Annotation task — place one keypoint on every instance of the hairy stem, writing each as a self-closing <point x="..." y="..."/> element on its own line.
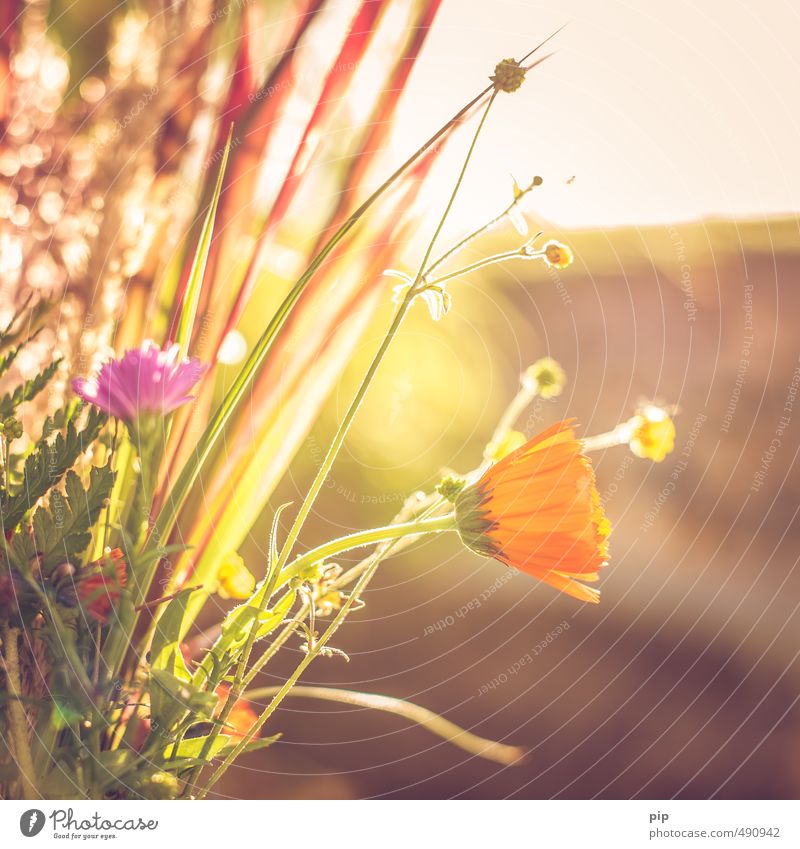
<point x="480" y="746"/>
<point x="519" y="253"/>
<point x="17" y="717"/>
<point x="317" y="555"/>
<point x="313" y="653"/>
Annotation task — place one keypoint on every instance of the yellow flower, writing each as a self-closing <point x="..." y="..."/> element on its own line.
<point x="547" y="377"/>
<point x="329" y="602"/>
<point x="234" y="579"/>
<point x="557" y="255"/>
<point x="653" y="435"/>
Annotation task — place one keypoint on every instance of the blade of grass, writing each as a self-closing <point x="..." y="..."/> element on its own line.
<point x="339" y="76"/>
<point x="165" y="521"/>
<point x="188" y="311"/>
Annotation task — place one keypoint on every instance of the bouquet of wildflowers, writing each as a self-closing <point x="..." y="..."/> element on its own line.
<point x="121" y="514"/>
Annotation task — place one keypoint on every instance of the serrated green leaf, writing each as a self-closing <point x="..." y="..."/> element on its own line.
<point x="63" y="529"/>
<point x="236" y="629"/>
<point x="46" y="465"/>
<point x="7" y="359"/>
<point x="27" y="391"/>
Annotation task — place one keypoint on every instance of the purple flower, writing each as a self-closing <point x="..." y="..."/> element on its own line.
<point x="145" y="380"/>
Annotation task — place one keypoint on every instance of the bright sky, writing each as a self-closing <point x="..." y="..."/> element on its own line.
<point x="663" y="111"/>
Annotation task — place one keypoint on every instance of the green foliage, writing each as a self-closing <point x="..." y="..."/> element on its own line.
<point x="222" y="745"/>
<point x="63" y="529"/>
<point x="171" y="697"/>
<point x="7" y="359"/>
<point x="26" y="391"/>
<point x="188" y="311"/>
<point x="165" y="652"/>
<point x="172" y="691"/>
<point x="236" y="629"/>
<point x="61" y="418"/>
<point x="46" y="465"/>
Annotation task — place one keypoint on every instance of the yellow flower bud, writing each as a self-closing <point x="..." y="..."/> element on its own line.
<point x="502" y="448"/>
<point x="558" y="255"/>
<point x="234" y="579"/>
<point x="653" y="435"/>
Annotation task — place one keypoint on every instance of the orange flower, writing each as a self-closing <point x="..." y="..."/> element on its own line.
<point x="99" y="587"/>
<point x="241" y="718"/>
<point x="538" y="510"/>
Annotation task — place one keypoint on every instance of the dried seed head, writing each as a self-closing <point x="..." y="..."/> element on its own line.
<point x="508" y="75"/>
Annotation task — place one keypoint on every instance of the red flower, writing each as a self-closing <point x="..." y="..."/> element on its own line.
<point x="538" y="510"/>
<point x="241" y="718"/>
<point x="99" y="587"/>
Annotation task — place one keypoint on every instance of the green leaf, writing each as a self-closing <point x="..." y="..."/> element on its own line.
<point x="7" y="359"/>
<point x="221" y="746"/>
<point x="171" y="696"/>
<point x="63" y="529"/>
<point x="165" y="652"/>
<point x="236" y="629"/>
<point x="167" y="666"/>
<point x="27" y="391"/>
<point x="61" y="418"/>
<point x="46" y="465"/>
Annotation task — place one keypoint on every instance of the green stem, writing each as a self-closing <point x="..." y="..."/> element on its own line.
<point x="302" y="567"/>
<point x="480" y="746"/>
<point x="519" y="253"/>
<point x="275" y="646"/>
<point x="484" y="228"/>
<point x="518" y="404"/>
<point x="621" y="435"/>
<point x="367" y="537"/>
<point x="291" y="680"/>
<point x="390" y="546"/>
<point x="17" y="718"/>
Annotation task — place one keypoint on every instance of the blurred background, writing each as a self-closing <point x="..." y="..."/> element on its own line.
<point x="683" y="682"/>
<point x="666" y="137"/>
<point x="676" y="124"/>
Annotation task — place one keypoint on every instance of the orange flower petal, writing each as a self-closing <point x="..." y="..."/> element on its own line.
<point x="538" y="510"/>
